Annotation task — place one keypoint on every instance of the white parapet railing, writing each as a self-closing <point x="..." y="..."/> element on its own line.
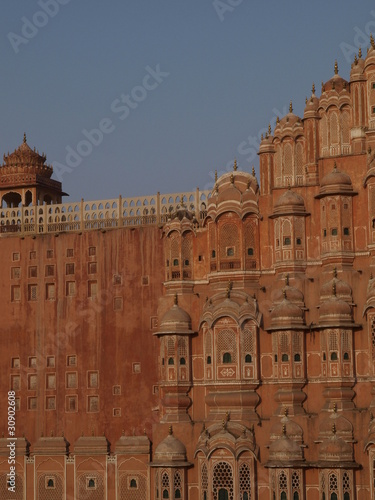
<point x="102" y="214"/>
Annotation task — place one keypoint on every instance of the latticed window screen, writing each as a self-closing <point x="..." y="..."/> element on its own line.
<point x="133" y="487"/>
<point x="278" y="175"/>
<point x="248" y="341"/>
<point x="333" y="341"/>
<point x="299" y="227"/>
<point x="186" y="250"/>
<point x="170" y="347"/>
<point x="229" y="238"/>
<point x="324" y="131"/>
<point x="334" y="128"/>
<point x="175" y="251"/>
<point x="212" y="232"/>
<point x="288" y="166"/>
<point x="93" y="493"/>
<point x="346" y="213"/>
<point x="204" y="480"/>
<point x="165" y="485"/>
<point x="372" y="334"/>
<point x="182" y="347"/>
<point x="177" y="485"/>
<point x="226" y="342"/>
<point x="332" y="483"/>
<point x="5" y="494"/>
<point x="346" y="341"/>
<point x="297" y="342"/>
<point x="50" y="487"/>
<point x="208" y="343"/>
<point x="345" y="124"/>
<point x="296" y="482"/>
<point x="299" y="159"/>
<point x="284" y="342"/>
<point x="245" y="481"/>
<point x="222" y="478"/>
<point x="250" y="237"/>
<point x="283" y="483"/>
<point x="277" y="234"/>
<point x="332" y="213"/>
<point x="346" y="483"/>
<point x="287" y="229"/>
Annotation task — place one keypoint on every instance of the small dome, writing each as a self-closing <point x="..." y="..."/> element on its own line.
<point x="335" y="449"/>
<point x="175" y="320"/>
<point x="170" y="451"/>
<point x="285" y="449"/>
<point x="292" y="430"/>
<point x="343" y="289"/>
<point x="24" y="159"/>
<point x="335" y="310"/>
<point x="229" y="193"/>
<point x="357" y="68"/>
<point x="294" y="295"/>
<point x="343" y="427"/>
<point x="370" y="56"/>
<point x="335" y="178"/>
<point x="312" y="105"/>
<point x="336" y="82"/>
<point x="289" y="202"/>
<point x="286" y="314"/>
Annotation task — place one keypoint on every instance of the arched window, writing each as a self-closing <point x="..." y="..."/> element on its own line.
<point x="177" y="494"/>
<point x="91" y="483"/>
<point x="171" y="361"/>
<point x="175" y="262"/>
<point x="248" y="358"/>
<point x="346" y="356"/>
<point x="333" y="356"/>
<point x="165" y="494"/>
<point x="51" y="483"/>
<point x="283" y="496"/>
<point x="223" y="494"/>
<point x="227" y="358"/>
<point x="208" y="360"/>
<point x="284" y="357"/>
<point x="133" y="483"/>
<point x="297" y="357"/>
<point x="296" y="496"/>
<point x="182" y="361"/>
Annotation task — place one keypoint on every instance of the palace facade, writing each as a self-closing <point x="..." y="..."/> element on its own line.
<point x="204" y="346"/>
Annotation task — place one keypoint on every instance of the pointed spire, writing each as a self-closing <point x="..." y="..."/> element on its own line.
<point x="261" y="137"/>
<point x="284" y="430"/>
<point x="170" y="430"/>
<point x="253" y="171"/>
<point x="235" y="165"/>
<point x="372" y="41"/>
<point x="360" y="52"/>
<point x="290" y="107"/>
<point x="215" y="175"/>
<point x="232" y="178"/>
<point x="313" y="89"/>
<point x="175" y="301"/>
<point x="323" y="89"/>
<point x="306" y="101"/>
<point x="334" y="429"/>
<point x="335" y="407"/>
<point x="286" y="411"/>
<point x="24" y="138"/>
<point x="355" y="59"/>
<point x="277" y="119"/>
<point x="336" y="68"/>
<point x="224" y="425"/>
<point x="269" y="129"/>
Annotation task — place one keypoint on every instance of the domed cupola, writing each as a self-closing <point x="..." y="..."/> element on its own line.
<point x="335" y="312"/>
<point x="336" y="182"/>
<point x="289" y="203"/>
<point x="25" y="179"/>
<point x="343" y="289"/>
<point x="286" y="315"/>
<point x="234" y="192"/>
<point x="344" y="428"/>
<point x="294" y="294"/>
<point x="289" y="125"/>
<point x="292" y="429"/>
<point x="285" y="450"/>
<point x="171" y="452"/>
<point x="175" y="321"/>
<point x="336" y="83"/>
<point x="334" y="450"/>
<point x="357" y="68"/>
<point x="370" y="56"/>
<point x="312" y="105"/>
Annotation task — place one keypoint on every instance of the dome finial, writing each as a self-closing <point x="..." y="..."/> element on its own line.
<point x="284" y="430"/>
<point x="287" y="279"/>
<point x="232" y="178"/>
<point x="269" y="129"/>
<point x="335" y="167"/>
<point x="313" y="89"/>
<point x="224" y="425"/>
<point x="277" y="119"/>
<point x="334" y="429"/>
<point x="306" y="101"/>
<point x="335" y="407"/>
<point x="235" y="165"/>
<point x="170" y="430"/>
<point x="24" y="138"/>
<point x="336" y="68"/>
<point x="215" y="175"/>
<point x="323" y="89"/>
<point x="284" y="293"/>
<point x="335" y="272"/>
<point x="253" y="171"/>
<point x="360" y="52"/>
<point x="355" y="59"/>
<point x="290" y="107"/>
<point x="372" y="41"/>
<point x="334" y="289"/>
<point x="286" y="411"/>
<point x="261" y="137"/>
<point x="175" y="301"/>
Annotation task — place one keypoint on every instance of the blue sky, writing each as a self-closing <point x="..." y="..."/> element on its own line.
<point x="178" y="88"/>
